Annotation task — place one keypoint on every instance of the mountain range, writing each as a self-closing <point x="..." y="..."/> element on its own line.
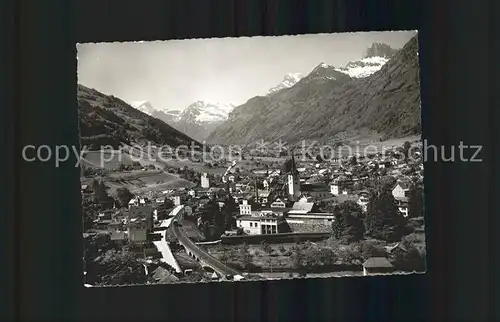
<point x="378" y="94"/>
<point x="201" y="118"/>
<point x="197" y="120"/>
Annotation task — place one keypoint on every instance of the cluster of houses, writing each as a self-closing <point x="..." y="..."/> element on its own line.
<point x="274" y="200"/>
<point x="293" y="200"/>
<point x="134" y="223"/>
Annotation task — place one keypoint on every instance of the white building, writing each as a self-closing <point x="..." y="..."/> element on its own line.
<point x="278" y="204"/>
<point x="334" y="188"/>
<point x="137" y="231"/>
<point x="176" y="200"/>
<point x="245" y="208"/>
<point x="340" y="185"/>
<point x="316" y="190"/>
<point x="249" y="224"/>
<point x="259" y="225"/>
<point x="363" y="200"/>
<point x="402" y="206"/>
<point x="205" y="182"/>
<point x="400" y="190"/>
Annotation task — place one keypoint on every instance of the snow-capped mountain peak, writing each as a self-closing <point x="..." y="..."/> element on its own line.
<point x="323" y="65"/>
<point x="143" y="106"/>
<point x="288" y="81"/>
<point x="364" y="67"/>
<point x="376" y="56"/>
<point x="207" y="112"/>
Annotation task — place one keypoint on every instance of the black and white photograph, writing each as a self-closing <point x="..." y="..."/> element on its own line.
<point x="251" y="158"/>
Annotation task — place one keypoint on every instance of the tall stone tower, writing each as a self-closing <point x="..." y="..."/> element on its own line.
<point x="293" y="181"/>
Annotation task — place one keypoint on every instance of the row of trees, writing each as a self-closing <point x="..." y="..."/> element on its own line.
<point x="107" y="264"/>
<point x="221" y="218"/>
<point x="382" y="219"/>
<point x="101" y="200"/>
<point x="91" y="172"/>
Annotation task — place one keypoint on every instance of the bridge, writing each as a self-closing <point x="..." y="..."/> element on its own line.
<point x="193" y="250"/>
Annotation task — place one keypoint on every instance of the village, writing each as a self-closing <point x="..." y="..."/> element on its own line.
<point x="262" y="218"/>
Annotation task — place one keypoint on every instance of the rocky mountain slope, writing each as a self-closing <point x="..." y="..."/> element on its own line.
<point x="327" y="102"/>
<point x="107" y="120"/>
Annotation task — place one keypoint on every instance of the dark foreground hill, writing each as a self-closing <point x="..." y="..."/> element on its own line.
<point x="107" y="120"/>
<point x="326" y="104"/>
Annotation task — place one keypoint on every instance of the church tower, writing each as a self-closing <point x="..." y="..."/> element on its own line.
<point x="293" y="182"/>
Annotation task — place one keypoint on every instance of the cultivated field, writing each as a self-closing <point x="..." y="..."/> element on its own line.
<point x="196" y="166"/>
<point x="278" y="259"/>
<point x="113" y="159"/>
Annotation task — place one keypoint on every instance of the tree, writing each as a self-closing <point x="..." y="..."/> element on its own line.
<point x="416" y="201"/>
<point x="408" y="258"/>
<point x="220" y="222"/>
<point x="368" y="250"/>
<point x="265" y="246"/>
<point x="406" y="149"/>
<point x="119" y="268"/>
<point x="383" y="219"/>
<point x="348" y="225"/>
<point x="245" y="256"/>
<point x="101" y="194"/>
<point x="90" y="211"/>
<point x="206" y="231"/>
<point x="229" y="209"/>
<point x="298" y="261"/>
<point x="124" y="196"/>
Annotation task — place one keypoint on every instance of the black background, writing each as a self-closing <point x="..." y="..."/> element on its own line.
<point x="42" y="229"/>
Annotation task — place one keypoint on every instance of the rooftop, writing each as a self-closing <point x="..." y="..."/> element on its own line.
<point x="342" y="198"/>
<point x="303" y="206"/>
<point x="277" y="209"/>
<point x="256" y="218"/>
<point x="403" y="184"/>
<point x="377" y="262"/>
<point x="140" y="211"/>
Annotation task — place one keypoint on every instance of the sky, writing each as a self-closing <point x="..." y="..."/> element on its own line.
<point x="175" y="73"/>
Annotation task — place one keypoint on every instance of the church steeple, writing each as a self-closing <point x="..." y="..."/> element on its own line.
<point x="290" y="165"/>
<point x="292" y="177"/>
